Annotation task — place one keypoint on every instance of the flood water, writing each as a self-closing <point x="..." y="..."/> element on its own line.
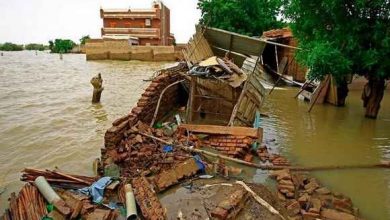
<point x="335" y="136"/>
<point x="46" y="116"/>
<point x="48" y="121"/>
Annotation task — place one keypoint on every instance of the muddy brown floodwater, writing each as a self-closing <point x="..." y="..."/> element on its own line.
<point x="46" y="116"/>
<point x="47" y="120"/>
<point x="335" y="136"/>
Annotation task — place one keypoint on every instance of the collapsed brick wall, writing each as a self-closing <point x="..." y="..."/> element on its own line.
<point x="234" y="146"/>
<point x="147" y="199"/>
<point x="147" y="104"/>
<point x="179" y="172"/>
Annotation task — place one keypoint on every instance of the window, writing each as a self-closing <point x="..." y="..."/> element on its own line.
<point x="148" y="22"/>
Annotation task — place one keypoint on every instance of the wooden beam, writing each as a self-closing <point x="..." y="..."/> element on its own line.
<point x="317" y="94"/>
<point x="191" y="99"/>
<point x="224" y="130"/>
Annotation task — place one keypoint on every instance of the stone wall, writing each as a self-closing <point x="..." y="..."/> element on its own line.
<point x="110" y="49"/>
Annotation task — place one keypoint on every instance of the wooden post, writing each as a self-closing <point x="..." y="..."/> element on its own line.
<point x="303" y="88"/>
<point x="277" y="59"/>
<point x="97" y="83"/>
<point x="159" y="100"/>
<point x="276" y="83"/>
<point x="191" y="99"/>
<point x="324" y="84"/>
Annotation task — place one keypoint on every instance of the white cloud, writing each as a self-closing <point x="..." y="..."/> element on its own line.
<point x="38" y="21"/>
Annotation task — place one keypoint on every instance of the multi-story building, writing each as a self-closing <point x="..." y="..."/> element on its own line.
<point x="140" y="26"/>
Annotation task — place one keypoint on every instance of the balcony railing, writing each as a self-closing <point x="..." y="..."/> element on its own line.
<point x="136" y="32"/>
<point x="129" y="15"/>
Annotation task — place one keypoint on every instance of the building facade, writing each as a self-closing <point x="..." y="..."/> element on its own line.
<point x="139" y="26"/>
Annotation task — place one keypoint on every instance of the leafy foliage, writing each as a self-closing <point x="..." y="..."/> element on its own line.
<point x="39" y="47"/>
<point x="84" y="38"/>
<point x="11" y="47"/>
<point x="341" y="37"/>
<point x="249" y="17"/>
<point x="61" y="46"/>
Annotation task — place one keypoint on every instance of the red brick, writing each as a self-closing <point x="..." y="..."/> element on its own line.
<point x="137" y="110"/>
<point x="293" y="208"/>
<point x="248" y="157"/>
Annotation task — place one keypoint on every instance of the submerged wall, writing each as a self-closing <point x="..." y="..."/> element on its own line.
<point x="111" y="49"/>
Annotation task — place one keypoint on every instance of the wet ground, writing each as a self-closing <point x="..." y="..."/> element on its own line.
<point x="199" y="198"/>
<point x="47" y="120"/>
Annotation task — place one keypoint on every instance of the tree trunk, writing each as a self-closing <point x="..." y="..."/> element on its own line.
<point x="97" y="83"/>
<point x="342" y="92"/>
<point x="372" y="96"/>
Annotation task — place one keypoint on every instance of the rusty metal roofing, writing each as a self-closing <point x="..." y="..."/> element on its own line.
<point x="278" y="33"/>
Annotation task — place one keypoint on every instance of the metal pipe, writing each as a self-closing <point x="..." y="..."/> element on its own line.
<point x="131" y="209"/>
<point x="159" y="101"/>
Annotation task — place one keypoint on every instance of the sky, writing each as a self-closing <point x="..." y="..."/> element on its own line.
<point x="38" y="21"/>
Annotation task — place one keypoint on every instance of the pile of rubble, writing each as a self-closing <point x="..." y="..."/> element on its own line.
<point x="305" y="198"/>
<point x="231" y="206"/>
<point x="65" y="201"/>
<point x="149" y="160"/>
<point x="29" y="204"/>
<point x="137" y="155"/>
<point x="275" y="159"/>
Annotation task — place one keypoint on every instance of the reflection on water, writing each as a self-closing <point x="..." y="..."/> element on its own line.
<point x="46" y="116"/>
<point x="335" y="136"/>
<point x="98" y="112"/>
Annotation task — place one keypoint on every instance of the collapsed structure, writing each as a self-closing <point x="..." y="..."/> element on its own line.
<point x="210" y="103"/>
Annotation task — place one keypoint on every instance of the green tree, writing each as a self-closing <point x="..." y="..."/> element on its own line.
<point x="39" y="47"/>
<point x="11" y="47"/>
<point x="342" y="37"/>
<point x="249" y="17"/>
<point x="61" y="46"/>
<point x="84" y="38"/>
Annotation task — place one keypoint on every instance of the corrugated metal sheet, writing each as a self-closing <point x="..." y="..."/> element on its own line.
<point x="234" y="42"/>
<point x="241" y="46"/>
